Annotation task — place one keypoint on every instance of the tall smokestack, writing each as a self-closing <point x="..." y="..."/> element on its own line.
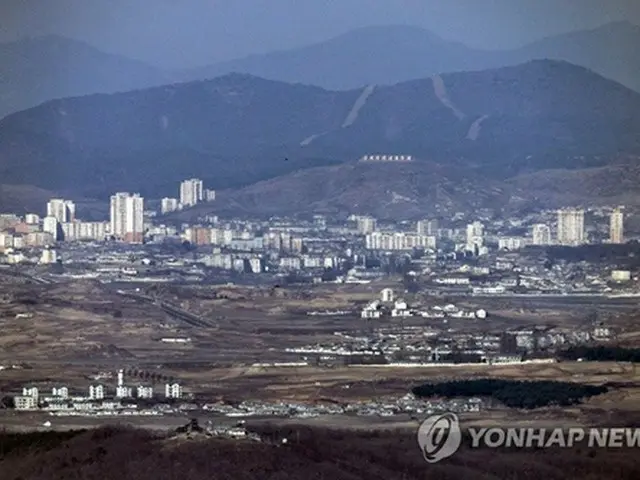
<point x="120" y="378"/>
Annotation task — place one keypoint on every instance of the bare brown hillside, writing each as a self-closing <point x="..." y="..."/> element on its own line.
<point x="122" y="454"/>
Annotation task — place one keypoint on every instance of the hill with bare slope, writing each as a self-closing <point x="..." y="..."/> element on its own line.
<point x="388" y="190"/>
<point x="309" y="453"/>
<point x="413" y="190"/>
<point x="616" y="184"/>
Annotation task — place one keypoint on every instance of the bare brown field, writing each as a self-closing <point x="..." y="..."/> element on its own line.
<point x="77" y="329"/>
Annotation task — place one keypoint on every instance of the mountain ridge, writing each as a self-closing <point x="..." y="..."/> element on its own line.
<point x="38" y="69"/>
<point x="500" y="122"/>
<point x="371" y="51"/>
<point x="609" y="50"/>
<point x="387" y="54"/>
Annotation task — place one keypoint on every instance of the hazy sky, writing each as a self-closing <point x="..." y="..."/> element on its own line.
<point x="195" y="32"/>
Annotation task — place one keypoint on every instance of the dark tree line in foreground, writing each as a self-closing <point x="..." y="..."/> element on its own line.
<point x="602" y="354"/>
<point x="513" y="393"/>
<point x="310" y="453"/>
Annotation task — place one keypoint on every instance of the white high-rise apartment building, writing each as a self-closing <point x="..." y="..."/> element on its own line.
<point x="209" y="195"/>
<point x="366" y="225"/>
<point x="191" y="192"/>
<point x="427" y="227"/>
<point x="127" y="217"/>
<point x="63" y="210"/>
<point x="51" y="225"/>
<point x="616" y="226"/>
<point x="31" y="219"/>
<point x="85" y="231"/>
<point x="48" y="256"/>
<point x="541" y="234"/>
<point x="168" y="205"/>
<point x="475" y="236"/>
<point x="571" y="227"/>
<point x="398" y="241"/>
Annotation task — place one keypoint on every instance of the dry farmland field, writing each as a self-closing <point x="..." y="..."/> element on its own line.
<point x="64" y="333"/>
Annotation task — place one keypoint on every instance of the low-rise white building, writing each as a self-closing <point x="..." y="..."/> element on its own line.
<point x="96" y="392"/>
<point x="290" y="263"/>
<point x="453" y="281"/>
<point x="30" y="392"/>
<point x="512" y="243"/>
<point x="144" y="392"/>
<point x="401" y="305"/>
<point x="621" y="275"/>
<point x="173" y="390"/>
<point x="386" y="295"/>
<point x="62" y="392"/>
<point x="369" y="313"/>
<point x="124" y="392"/>
<point x="25" y="402"/>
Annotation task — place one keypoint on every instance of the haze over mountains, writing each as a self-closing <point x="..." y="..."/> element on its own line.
<point x="36" y="70"/>
<point x="496" y="126"/>
<point x="238" y="129"/>
<point x="392" y="54"/>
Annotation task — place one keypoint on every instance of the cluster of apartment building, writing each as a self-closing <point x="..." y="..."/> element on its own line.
<point x="569" y="231"/>
<point x="403" y="342"/>
<point x="61" y="399"/>
<point x="382" y="406"/>
<point x="387" y="304"/>
<point x="358" y="249"/>
<point x="192" y="192"/>
<point x="127" y="221"/>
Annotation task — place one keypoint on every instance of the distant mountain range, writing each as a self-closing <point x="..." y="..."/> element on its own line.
<point x="238" y="129"/>
<point x="370" y="55"/>
<point x="36" y="70"/>
<point x="610" y="51"/>
<point x="393" y="54"/>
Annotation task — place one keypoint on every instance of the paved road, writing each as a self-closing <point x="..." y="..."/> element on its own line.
<point x="173" y="310"/>
<point x="12" y="272"/>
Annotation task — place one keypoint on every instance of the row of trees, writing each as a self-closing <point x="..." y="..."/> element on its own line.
<point x="602" y="354"/>
<point x="148" y="376"/>
<point x="513" y="393"/>
<point x="320" y="453"/>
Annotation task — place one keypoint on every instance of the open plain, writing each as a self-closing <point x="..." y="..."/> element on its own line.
<point x="66" y="333"/>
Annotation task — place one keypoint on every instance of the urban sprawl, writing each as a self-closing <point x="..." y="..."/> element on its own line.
<point x="457" y="257"/>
